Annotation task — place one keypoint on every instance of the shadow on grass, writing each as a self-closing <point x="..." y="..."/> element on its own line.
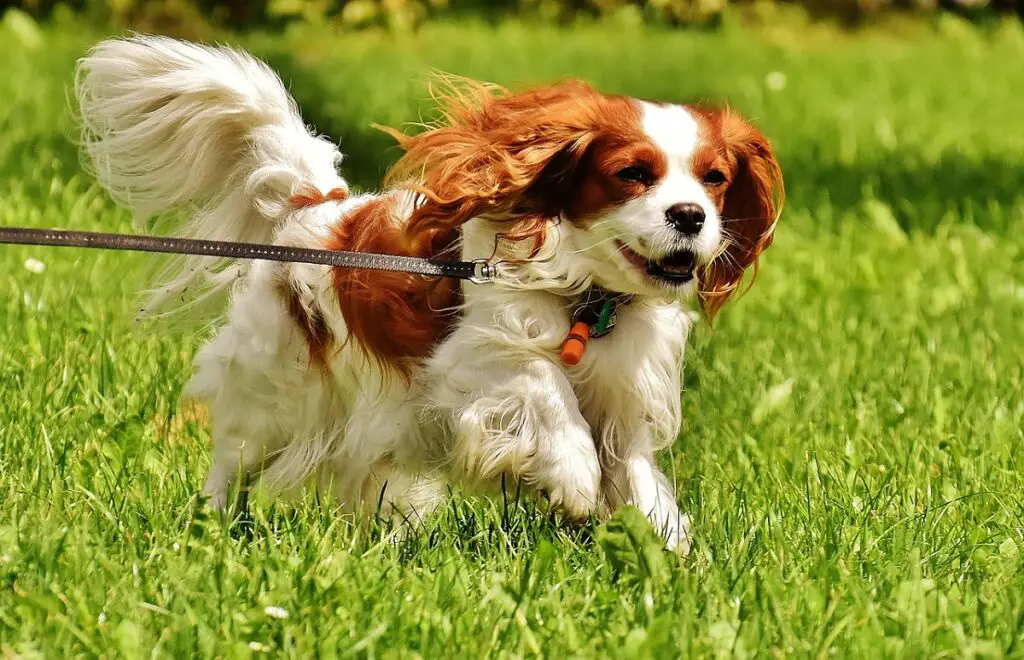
<point x="985" y="192"/>
<point x="477" y="527"/>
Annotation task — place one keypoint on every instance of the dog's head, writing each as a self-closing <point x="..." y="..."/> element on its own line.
<point x="653" y="199"/>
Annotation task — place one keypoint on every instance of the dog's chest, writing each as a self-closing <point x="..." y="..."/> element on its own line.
<point x="635" y="370"/>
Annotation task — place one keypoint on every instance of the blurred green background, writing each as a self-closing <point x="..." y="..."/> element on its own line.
<point x="198" y="17"/>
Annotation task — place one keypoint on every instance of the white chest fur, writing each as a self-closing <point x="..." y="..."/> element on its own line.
<point x="629" y="381"/>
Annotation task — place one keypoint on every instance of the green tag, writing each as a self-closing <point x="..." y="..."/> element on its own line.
<point x="597" y="308"/>
<point x="606" y="316"/>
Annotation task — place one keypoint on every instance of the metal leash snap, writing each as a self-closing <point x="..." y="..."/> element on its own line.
<point x="484" y="271"/>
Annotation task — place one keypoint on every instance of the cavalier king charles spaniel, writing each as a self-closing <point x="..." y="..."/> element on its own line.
<point x="613" y="222"/>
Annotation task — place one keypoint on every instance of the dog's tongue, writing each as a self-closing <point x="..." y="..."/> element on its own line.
<point x="679" y="263"/>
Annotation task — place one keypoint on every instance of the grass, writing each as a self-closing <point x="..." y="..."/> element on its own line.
<point x="852" y="452"/>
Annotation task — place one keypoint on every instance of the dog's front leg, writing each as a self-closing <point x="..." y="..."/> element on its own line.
<point x="637" y="481"/>
<point x="521" y="418"/>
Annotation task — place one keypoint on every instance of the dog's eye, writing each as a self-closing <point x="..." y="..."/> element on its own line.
<point x="635" y="174"/>
<point x="714" y="178"/>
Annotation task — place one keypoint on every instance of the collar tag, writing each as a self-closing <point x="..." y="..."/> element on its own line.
<point x="595" y="316"/>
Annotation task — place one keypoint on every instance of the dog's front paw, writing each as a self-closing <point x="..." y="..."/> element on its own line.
<point x="570" y="475"/>
<point x="577" y="500"/>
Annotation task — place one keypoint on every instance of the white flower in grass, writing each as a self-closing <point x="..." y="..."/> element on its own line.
<point x="102" y="618"/>
<point x="275" y="612"/>
<point x="258" y="647"/>
<point x="775" y="81"/>
<point x="34" y="266"/>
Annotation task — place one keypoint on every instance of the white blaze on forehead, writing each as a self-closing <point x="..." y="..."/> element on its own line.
<point x="674" y="130"/>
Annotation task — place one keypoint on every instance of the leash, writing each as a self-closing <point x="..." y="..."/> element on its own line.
<point x="478" y="271"/>
<point x="594" y="315"/>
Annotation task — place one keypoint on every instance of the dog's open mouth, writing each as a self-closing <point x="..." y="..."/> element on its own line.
<point x="675" y="268"/>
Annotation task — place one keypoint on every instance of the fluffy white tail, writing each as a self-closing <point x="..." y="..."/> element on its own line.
<point x="169" y="126"/>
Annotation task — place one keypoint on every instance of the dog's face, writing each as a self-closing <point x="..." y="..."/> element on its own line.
<point x="653" y="199"/>
<point x="647" y="204"/>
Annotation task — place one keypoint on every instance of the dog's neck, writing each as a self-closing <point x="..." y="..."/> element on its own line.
<point x="544" y="269"/>
<point x="524" y="263"/>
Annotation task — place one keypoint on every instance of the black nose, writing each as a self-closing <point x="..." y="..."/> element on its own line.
<point x="687" y="218"/>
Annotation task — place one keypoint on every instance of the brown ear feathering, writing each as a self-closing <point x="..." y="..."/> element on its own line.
<point x="397" y="317"/>
<point x="496" y="153"/>
<point x="751" y="209"/>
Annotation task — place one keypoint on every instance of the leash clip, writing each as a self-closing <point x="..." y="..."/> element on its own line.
<point x="484" y="271"/>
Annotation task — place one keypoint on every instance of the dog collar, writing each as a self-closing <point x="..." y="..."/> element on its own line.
<point x="594" y="316"/>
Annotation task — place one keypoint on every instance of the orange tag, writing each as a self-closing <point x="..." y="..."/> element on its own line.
<point x="575" y="344"/>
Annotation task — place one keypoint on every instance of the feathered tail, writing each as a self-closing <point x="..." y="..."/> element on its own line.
<point x="170" y="126"/>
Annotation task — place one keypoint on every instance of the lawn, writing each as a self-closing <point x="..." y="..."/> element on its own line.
<point x="851" y="455"/>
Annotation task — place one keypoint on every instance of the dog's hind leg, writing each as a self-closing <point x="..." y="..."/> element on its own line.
<point x="253" y="378"/>
<point x="400" y="496"/>
<point x="242" y="447"/>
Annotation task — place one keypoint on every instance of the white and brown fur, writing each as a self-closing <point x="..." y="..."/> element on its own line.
<point x="379" y="387"/>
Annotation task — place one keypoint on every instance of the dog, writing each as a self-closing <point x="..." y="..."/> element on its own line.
<point x="613" y="223"/>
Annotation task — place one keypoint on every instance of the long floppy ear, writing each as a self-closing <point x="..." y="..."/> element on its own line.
<point x="751" y="209"/>
<point x="494" y="153"/>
